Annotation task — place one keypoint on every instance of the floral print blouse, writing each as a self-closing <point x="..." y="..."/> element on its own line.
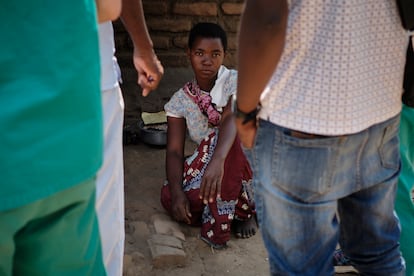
<point x="182" y="106"/>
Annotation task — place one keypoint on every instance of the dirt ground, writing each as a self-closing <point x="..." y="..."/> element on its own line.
<point x="144" y="176"/>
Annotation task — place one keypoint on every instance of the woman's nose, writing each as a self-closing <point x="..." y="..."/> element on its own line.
<point x="207" y="59"/>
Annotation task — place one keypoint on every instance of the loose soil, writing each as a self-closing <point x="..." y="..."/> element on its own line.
<point x="144" y="176"/>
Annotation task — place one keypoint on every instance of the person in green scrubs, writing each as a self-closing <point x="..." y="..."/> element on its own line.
<point x="404" y="203"/>
<point x="50" y="138"/>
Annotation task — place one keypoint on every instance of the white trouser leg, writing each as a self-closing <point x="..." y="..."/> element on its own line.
<point x="110" y="184"/>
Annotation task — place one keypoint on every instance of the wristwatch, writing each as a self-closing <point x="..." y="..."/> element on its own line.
<point x="246" y="116"/>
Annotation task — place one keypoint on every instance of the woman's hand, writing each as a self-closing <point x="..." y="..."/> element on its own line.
<point x="180" y="207"/>
<point x="211" y="184"/>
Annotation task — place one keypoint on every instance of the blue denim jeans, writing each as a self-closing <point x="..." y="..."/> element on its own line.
<point x="311" y="191"/>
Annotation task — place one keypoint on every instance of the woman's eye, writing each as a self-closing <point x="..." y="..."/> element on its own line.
<point x="198" y="54"/>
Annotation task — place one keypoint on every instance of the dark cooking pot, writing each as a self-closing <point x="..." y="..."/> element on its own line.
<point x="154" y="134"/>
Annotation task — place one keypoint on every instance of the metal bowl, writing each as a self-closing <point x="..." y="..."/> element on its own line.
<point x="155" y="135"/>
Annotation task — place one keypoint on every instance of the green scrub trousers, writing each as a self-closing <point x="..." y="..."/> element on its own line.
<point x="57" y="235"/>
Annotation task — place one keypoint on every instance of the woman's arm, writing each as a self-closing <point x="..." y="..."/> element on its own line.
<point x="175" y="167"/>
<point x="211" y="183"/>
<point x="150" y="70"/>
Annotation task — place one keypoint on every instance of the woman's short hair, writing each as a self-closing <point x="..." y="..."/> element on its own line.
<point x="207" y="30"/>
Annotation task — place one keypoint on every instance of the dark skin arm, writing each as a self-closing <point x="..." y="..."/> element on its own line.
<point x="213" y="176"/>
<point x="150" y="70"/>
<point x="261" y="41"/>
<point x="174" y="165"/>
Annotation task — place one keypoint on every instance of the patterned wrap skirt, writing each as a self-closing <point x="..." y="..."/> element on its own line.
<point x="236" y="200"/>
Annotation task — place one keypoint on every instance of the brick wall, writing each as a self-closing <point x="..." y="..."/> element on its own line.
<point x="169" y="23"/>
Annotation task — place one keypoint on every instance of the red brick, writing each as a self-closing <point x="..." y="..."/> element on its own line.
<point x="232" y="8"/>
<point x="196" y="9"/>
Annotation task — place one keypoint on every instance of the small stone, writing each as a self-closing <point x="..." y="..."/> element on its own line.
<point x="164" y="225"/>
<point x="163" y="255"/>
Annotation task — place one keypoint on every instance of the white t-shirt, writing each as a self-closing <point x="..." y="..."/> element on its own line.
<point x="341" y="69"/>
<point x="110" y="72"/>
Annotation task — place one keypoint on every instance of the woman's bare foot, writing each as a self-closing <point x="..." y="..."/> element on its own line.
<point x="244" y="229"/>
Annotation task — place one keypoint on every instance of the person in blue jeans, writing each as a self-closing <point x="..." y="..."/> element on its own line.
<point x="318" y="112"/>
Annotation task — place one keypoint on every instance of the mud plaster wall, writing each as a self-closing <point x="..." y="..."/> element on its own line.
<point x="169" y="23"/>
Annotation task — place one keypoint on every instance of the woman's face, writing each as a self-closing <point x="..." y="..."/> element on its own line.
<point x="206" y="57"/>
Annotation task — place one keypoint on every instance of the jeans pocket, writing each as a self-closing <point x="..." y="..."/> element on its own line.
<point x="389" y="149"/>
<point x="305" y="167"/>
